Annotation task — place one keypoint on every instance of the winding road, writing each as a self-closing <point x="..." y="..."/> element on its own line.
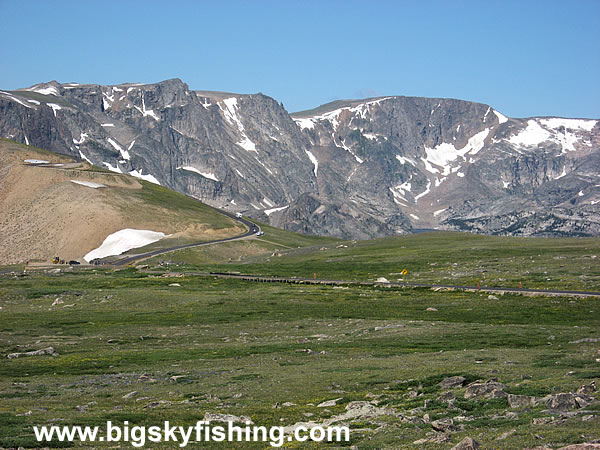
<point x="253" y="228"/>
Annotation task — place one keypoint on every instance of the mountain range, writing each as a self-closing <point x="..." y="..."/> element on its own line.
<point x="350" y="168"/>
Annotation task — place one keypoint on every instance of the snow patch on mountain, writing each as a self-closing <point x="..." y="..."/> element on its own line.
<point x="403" y="160"/>
<point x="425" y="192"/>
<point x="557" y="130"/>
<point x="563" y="173"/>
<point x="54" y="107"/>
<point x="138" y="174"/>
<point x="49" y="90"/>
<point x="208" y="175"/>
<point x="445" y="153"/>
<point x="85" y="157"/>
<point x="534" y="134"/>
<point x="313" y="160"/>
<point x="124" y="153"/>
<point x="112" y="168"/>
<point x="268" y="212"/>
<point x="571" y="124"/>
<point x="81" y="139"/>
<point x="501" y="118"/>
<point x="230" y="112"/>
<point x="12" y="97"/>
<point x="305" y="123"/>
<point x="146" y="112"/>
<point x="399" y="192"/>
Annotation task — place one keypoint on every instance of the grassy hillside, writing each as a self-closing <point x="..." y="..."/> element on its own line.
<point x="43" y="213"/>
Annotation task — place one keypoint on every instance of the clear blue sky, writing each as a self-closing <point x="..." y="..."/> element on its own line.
<point x="522" y="57"/>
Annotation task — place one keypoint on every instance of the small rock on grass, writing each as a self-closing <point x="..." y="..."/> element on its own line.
<point x="328" y="403"/>
<point x="216" y="417"/>
<point x="467" y="443"/>
<point x="43" y="351"/>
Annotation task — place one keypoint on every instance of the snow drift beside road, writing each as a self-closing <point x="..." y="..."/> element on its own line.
<point x="124" y="240"/>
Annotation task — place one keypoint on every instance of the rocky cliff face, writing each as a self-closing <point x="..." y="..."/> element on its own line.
<point x="356" y="169"/>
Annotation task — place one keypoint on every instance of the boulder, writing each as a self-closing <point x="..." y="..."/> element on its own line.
<point x="521" y="401"/>
<point x="452" y="382"/>
<point x="490" y="389"/>
<point x="467" y="443"/>
<point x="587" y="389"/>
<point x="446" y="424"/>
<point x="567" y="401"/>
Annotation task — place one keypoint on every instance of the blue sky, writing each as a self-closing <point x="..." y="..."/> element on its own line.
<point x="524" y="58"/>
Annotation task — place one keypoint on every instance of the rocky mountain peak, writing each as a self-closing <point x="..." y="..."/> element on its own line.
<point x="351" y="168"/>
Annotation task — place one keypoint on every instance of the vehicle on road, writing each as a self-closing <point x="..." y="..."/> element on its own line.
<point x="238" y="215"/>
<point x="260" y="233"/>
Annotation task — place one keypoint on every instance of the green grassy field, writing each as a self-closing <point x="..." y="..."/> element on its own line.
<point x="435" y="257"/>
<point x="234" y="347"/>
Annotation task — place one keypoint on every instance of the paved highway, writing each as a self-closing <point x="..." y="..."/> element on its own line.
<point x="253" y="228"/>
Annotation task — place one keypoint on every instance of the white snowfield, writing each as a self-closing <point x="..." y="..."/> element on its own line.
<point x="565" y="132"/>
<point x="36" y="161"/>
<point x="209" y="175"/>
<point x="50" y="90"/>
<point x="444" y="154"/>
<point x="138" y="174"/>
<point x="124" y="240"/>
<point x="268" y="212"/>
<point x="88" y="184"/>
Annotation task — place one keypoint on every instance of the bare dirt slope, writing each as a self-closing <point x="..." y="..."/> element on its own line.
<point x="44" y="214"/>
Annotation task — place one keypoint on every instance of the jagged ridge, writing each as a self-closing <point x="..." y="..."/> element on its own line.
<point x="352" y="168"/>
